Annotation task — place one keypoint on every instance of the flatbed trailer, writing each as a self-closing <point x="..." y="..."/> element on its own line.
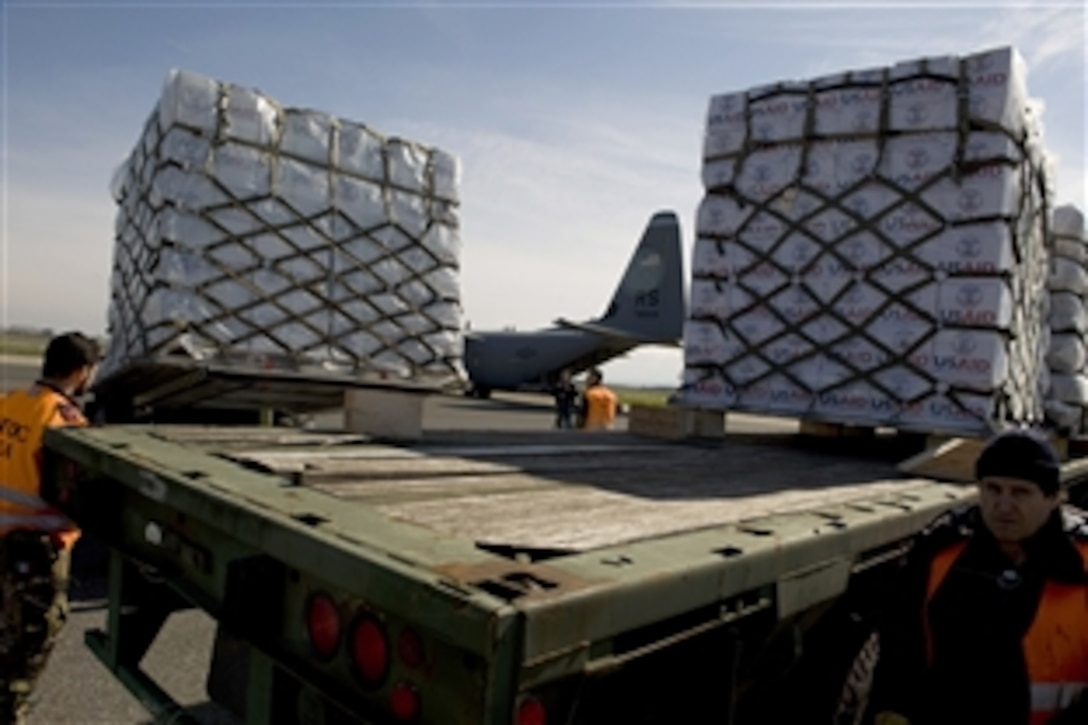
<point x="496" y="577"/>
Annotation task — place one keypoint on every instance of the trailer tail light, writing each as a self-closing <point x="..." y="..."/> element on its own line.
<point x="410" y="648"/>
<point x="404" y="702"/>
<point x="70" y="470"/>
<point x="323" y="625"/>
<point x="531" y="712"/>
<point x="370" y="650"/>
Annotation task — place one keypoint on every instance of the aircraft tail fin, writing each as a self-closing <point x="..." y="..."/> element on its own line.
<point x="649" y="303"/>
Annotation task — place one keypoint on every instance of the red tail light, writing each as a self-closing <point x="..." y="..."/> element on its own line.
<point x="370" y="650"/>
<point x="531" y="712"/>
<point x="323" y="625"/>
<point x="410" y="648"/>
<point x="70" y="470"/>
<point x="404" y="702"/>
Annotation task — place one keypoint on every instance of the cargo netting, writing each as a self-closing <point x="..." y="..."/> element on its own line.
<point x="872" y="248"/>
<point x="247" y="232"/>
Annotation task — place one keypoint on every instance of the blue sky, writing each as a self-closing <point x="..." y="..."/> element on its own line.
<point x="573" y="123"/>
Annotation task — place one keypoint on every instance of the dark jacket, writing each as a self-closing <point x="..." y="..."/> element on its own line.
<point x="978" y="618"/>
<point x="565" y="396"/>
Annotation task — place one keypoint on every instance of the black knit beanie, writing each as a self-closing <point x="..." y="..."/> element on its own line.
<point x="1021" y="454"/>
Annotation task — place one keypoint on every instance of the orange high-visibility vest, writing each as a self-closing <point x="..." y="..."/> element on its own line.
<point x="24" y="416"/>
<point x="600" y="407"/>
<point x="1055" y="646"/>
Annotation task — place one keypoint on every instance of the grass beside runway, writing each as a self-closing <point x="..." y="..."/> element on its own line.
<point x="21" y="344"/>
<point x="653" y="397"/>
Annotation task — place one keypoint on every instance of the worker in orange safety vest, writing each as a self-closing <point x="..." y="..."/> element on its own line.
<point x="598" y="410"/>
<point x="36" y="540"/>
<point x="989" y="623"/>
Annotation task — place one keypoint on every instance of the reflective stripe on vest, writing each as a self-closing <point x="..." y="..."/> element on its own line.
<point x="1055" y="647"/>
<point x="40" y="515"/>
<point x="1053" y="697"/>
<point x="40" y="522"/>
<point x="22" y="499"/>
<point x="24" y="416"/>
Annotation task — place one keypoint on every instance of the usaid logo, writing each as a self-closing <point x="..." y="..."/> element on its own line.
<point x="861" y="164"/>
<point x="762" y="173"/>
<point x="970" y="200"/>
<point x="781" y="354"/>
<point x="917" y="158"/>
<point x="726" y="104"/>
<point x="964" y="345"/>
<point x="969" y="247"/>
<point x="721" y="177"/>
<point x="764" y="131"/>
<point x="856" y="251"/>
<point x="969" y="296"/>
<point x="917" y="114"/>
<point x="982" y="63"/>
<point x="854" y="296"/>
<point x="863" y="120"/>
<point x="859" y="206"/>
<point x="801" y="253"/>
<point x="898" y="384"/>
<point x="903" y="340"/>
<point x="746" y="368"/>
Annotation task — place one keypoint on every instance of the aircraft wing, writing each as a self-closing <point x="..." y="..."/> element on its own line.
<point x="611" y="333"/>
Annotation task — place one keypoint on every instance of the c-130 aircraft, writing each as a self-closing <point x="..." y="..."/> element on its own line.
<point x="647" y="309"/>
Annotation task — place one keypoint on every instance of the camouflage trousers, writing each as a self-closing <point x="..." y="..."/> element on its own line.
<point x="34" y="608"/>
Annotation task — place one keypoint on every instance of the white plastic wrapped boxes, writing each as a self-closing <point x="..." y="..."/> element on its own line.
<point x="247" y="231"/>
<point x="871" y="249"/>
<point x="1067" y="399"/>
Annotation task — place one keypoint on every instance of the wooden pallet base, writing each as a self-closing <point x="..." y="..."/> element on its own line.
<point x="944" y="457"/>
<point x="675" y="422"/>
<point x="818" y="429"/>
<point x="953" y="459"/>
<point x="389" y="415"/>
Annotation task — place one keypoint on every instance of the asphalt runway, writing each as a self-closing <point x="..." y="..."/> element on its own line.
<point x="76" y="688"/>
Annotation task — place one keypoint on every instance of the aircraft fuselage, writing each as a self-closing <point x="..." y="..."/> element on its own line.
<point x="534" y="360"/>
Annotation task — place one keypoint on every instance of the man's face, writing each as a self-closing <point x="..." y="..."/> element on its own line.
<point x="1014" y="509"/>
<point x="86" y="377"/>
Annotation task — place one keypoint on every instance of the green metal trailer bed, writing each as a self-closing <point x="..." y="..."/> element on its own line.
<point x="490" y="578"/>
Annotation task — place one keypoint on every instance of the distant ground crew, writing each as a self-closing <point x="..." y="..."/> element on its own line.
<point x="598" y="410"/>
<point x="991" y="623"/>
<point x="566" y="398"/>
<point x="35" y="539"/>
